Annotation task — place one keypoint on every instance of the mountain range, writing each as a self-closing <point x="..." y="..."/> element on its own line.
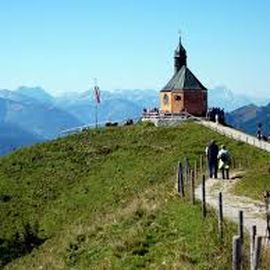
<point x="247" y="118"/>
<point x="13" y="137"/>
<point x="223" y="97"/>
<point x="117" y="105"/>
<point x="25" y="120"/>
<point x="31" y="114"/>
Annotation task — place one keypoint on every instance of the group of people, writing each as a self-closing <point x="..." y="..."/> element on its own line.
<point x="216" y="115"/>
<point x="218" y="159"/>
<point x="261" y="136"/>
<point x="154" y="110"/>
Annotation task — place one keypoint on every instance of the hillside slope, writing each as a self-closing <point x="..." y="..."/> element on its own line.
<point x="104" y="199"/>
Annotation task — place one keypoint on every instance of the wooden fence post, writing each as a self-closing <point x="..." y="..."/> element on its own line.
<point x="252" y="244"/>
<point x="187" y="170"/>
<point x="203" y="197"/>
<point x="180" y="180"/>
<point x="201" y="164"/>
<point x="177" y="177"/>
<point x="266" y="196"/>
<point x="257" y="252"/>
<point x="182" y="183"/>
<point x="236" y="253"/>
<point x="195" y="170"/>
<point x="220" y="216"/>
<point x="193" y="187"/>
<point x="241" y="226"/>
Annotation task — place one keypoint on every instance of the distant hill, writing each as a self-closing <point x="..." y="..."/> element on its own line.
<point x="25" y="120"/>
<point x="36" y="93"/>
<point x="248" y="117"/>
<point x="13" y="137"/>
<point x="224" y="98"/>
<point x="45" y="120"/>
<point x="16" y="96"/>
<point x="35" y="111"/>
<point x="115" y="105"/>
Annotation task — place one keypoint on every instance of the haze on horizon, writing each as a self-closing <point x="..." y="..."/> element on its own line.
<point x="62" y="45"/>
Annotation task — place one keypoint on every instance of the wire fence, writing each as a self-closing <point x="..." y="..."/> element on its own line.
<point x="247" y="252"/>
<point x="236" y="135"/>
<point x="100" y="124"/>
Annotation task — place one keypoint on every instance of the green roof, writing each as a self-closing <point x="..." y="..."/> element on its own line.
<point x="184" y="79"/>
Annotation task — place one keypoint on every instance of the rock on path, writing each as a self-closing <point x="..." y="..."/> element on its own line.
<point x="254" y="211"/>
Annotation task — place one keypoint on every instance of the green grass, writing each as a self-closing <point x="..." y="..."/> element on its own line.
<point x="105" y="199"/>
<point x="257" y="177"/>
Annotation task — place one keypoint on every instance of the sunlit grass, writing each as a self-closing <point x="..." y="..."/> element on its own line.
<point x="105" y="199"/>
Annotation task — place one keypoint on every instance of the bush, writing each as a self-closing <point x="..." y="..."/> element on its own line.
<point x="20" y="244"/>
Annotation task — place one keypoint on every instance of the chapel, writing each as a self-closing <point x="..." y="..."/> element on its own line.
<point x="184" y="92"/>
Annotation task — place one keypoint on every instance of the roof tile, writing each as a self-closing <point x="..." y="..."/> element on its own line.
<point x="184" y="79"/>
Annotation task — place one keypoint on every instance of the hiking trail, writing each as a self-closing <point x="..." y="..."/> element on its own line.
<point x="254" y="211"/>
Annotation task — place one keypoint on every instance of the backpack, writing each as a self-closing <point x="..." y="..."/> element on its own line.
<point x="224" y="157"/>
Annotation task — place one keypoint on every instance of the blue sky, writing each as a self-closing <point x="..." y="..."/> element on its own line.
<point x="62" y="45"/>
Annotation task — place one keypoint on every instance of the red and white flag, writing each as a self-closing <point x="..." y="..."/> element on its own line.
<point x="97" y="94"/>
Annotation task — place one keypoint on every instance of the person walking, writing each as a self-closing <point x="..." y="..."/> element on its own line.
<point x="217" y="118"/>
<point x="212" y="159"/>
<point x="259" y="133"/>
<point x="224" y="158"/>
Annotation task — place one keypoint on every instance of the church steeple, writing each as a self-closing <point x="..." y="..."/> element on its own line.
<point x="184" y="92"/>
<point x="180" y="56"/>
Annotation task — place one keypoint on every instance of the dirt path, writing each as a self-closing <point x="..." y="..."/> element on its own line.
<point x="236" y="134"/>
<point x="254" y="211"/>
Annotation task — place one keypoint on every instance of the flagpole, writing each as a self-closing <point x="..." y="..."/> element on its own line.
<point x="96" y="111"/>
<point x="96" y="115"/>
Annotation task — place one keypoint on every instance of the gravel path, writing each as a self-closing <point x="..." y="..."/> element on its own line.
<point x="254" y="211"/>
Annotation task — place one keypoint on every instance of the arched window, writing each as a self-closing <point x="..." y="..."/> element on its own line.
<point x="165" y="99"/>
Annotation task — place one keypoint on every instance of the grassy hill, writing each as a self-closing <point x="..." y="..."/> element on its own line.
<point x="105" y="199"/>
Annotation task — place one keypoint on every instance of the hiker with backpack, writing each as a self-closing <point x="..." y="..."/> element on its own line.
<point x="224" y="162"/>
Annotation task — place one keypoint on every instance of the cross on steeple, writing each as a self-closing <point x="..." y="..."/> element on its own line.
<point x="179" y="37"/>
<point x="180" y="55"/>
